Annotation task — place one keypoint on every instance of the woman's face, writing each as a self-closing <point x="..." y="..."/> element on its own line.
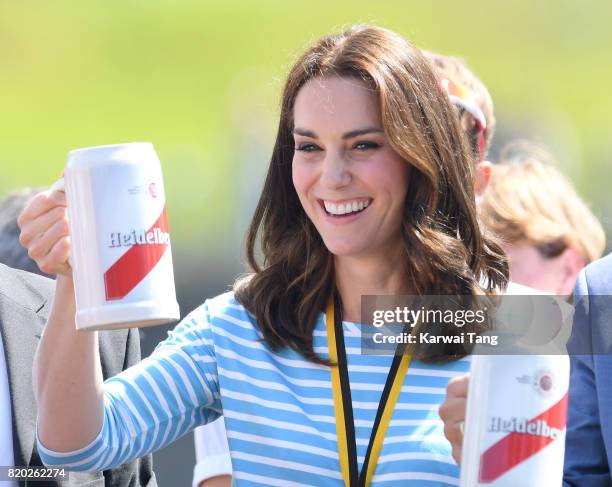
<point x="350" y="182"/>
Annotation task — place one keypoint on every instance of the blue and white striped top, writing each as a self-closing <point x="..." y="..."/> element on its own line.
<point x="278" y="406"/>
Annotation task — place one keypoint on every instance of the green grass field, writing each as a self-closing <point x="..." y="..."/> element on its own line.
<point x="201" y="80"/>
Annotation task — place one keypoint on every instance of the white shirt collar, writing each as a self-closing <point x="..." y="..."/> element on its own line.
<point x="6" y="424"/>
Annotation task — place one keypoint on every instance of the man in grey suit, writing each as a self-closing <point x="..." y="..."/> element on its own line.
<point x="25" y="301"/>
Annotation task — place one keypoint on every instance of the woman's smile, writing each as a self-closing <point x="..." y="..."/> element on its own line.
<point x="342" y="212"/>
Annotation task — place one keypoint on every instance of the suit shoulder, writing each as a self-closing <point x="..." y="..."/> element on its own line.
<point x="25" y="288"/>
<point x="599" y="276"/>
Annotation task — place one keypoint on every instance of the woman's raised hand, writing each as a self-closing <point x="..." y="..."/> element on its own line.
<point x="45" y="233"/>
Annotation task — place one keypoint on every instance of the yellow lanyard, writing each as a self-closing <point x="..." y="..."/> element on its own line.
<point x="343" y="408"/>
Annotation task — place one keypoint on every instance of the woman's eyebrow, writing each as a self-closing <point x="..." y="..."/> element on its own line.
<point x="363" y="131"/>
<point x="347" y="135"/>
<point x="305" y="133"/>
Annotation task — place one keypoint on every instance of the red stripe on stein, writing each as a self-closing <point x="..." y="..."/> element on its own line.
<point x="516" y="447"/>
<point x="133" y="266"/>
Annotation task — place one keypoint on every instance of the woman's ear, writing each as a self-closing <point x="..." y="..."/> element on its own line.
<point x="571" y="263"/>
<point x="483" y="176"/>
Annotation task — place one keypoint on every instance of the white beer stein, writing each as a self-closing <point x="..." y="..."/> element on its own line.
<point x="121" y="257"/>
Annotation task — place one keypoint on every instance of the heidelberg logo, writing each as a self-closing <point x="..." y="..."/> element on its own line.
<point x="139" y="237"/>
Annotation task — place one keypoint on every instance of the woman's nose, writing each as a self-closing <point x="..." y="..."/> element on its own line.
<point x="335" y="172"/>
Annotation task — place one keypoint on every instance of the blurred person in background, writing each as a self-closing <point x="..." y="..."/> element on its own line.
<point x="462" y="85"/>
<point x="25" y="302"/>
<point x="550" y="235"/>
<point x="474" y="107"/>
<point x="547" y="231"/>
<point x="366" y="144"/>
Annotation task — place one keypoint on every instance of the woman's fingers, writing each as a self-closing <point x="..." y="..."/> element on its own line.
<point x="41" y="203"/>
<point x="458" y="386"/>
<point x="453" y="416"/>
<point x="45" y="231"/>
<point x="452" y="412"/>
<point x="56" y="261"/>
<point x="40" y="212"/>
<point x="456" y="452"/>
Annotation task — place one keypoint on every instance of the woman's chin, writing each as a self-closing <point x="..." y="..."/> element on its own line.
<point x="346" y="249"/>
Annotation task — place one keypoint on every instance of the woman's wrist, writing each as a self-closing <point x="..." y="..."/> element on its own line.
<point x="65" y="281"/>
<point x="64" y="302"/>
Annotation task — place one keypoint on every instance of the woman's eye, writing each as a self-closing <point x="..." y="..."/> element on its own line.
<point x="307" y="148"/>
<point x="366" y="145"/>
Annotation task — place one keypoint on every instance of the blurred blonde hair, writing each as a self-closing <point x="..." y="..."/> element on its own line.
<point x="529" y="199"/>
<point x="455" y="70"/>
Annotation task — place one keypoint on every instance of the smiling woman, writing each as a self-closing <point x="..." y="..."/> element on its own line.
<point x="348" y="165"/>
<point x="369" y="191"/>
<point x="363" y="119"/>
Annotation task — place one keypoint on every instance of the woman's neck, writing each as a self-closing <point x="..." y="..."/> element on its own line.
<point x="356" y="277"/>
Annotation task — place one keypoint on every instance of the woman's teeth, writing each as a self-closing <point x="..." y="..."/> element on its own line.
<point x="346" y="207"/>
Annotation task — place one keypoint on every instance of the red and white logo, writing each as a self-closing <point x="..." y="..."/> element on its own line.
<point x="544" y="382"/>
<point x="138" y="261"/>
<point x="525" y="439"/>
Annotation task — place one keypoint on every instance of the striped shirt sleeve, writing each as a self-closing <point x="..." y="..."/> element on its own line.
<point x="154" y="402"/>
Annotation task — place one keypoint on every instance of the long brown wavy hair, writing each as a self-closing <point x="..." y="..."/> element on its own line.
<point x="445" y="251"/>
